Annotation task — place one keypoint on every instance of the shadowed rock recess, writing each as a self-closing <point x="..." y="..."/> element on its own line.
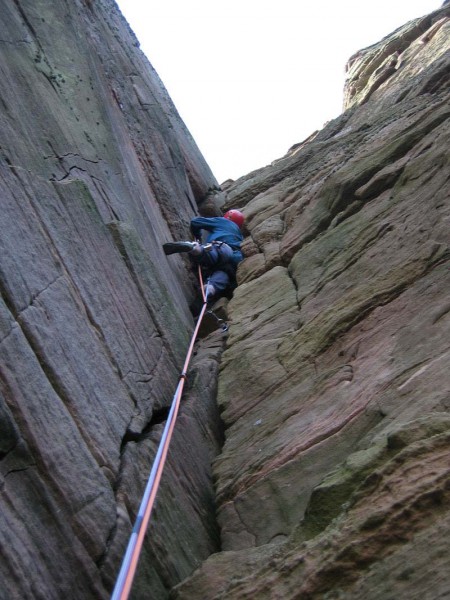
<point x="333" y="387"/>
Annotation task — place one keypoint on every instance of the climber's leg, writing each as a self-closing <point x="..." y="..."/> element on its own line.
<point x="220" y="281"/>
<point x="176" y="247"/>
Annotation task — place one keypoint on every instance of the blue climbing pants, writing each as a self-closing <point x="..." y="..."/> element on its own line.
<point x="219" y="264"/>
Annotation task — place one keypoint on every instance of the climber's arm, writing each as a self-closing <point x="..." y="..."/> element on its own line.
<point x="199" y="223"/>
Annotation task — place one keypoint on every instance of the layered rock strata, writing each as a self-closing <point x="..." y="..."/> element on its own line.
<point x="97" y="170"/>
<point x="334" y="385"/>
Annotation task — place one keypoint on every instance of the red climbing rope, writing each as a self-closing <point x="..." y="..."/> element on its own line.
<point x="131" y="558"/>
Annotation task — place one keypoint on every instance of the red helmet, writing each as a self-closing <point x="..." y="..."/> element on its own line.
<point x="236" y="216"/>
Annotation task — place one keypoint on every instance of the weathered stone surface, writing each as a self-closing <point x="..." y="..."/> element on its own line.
<point x="334" y="387"/>
<point x="372" y="550"/>
<point x="392" y="63"/>
<point x="97" y="170"/>
<point x="183" y="529"/>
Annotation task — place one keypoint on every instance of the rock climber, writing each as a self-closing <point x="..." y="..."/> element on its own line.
<point x="219" y="255"/>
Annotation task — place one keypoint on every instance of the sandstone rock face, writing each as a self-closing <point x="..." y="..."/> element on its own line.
<point x="334" y="385"/>
<point x="97" y="170"/>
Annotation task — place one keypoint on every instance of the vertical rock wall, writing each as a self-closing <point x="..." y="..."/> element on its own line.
<point x="96" y="171"/>
<point x="334" y="389"/>
<point x="334" y="386"/>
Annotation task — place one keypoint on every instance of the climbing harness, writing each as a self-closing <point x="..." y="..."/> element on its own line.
<point x="131" y="558"/>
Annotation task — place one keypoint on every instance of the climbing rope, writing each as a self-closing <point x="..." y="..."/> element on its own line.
<point x="131" y="558"/>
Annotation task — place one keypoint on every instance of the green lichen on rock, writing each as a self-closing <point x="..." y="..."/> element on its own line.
<point x="335" y="398"/>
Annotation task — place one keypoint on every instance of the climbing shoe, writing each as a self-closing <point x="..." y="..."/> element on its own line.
<point x="209" y="290"/>
<point x="176" y="247"/>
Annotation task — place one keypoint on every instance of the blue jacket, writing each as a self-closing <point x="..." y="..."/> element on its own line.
<point x="220" y="229"/>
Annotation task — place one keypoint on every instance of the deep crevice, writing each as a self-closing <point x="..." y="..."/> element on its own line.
<point x="159" y="416"/>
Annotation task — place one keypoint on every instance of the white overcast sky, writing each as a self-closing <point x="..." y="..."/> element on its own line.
<point x="250" y="78"/>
